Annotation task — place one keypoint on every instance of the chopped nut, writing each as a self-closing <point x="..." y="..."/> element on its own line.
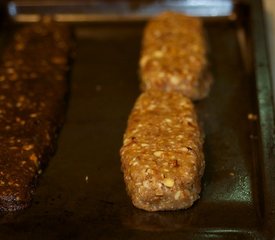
<point x="33" y="115"/>
<point x="146" y="184"/>
<point x="185" y="149"/>
<point x="161" y="74"/>
<point x="13" y="147"/>
<point x="151" y="107"/>
<point x="168" y="120"/>
<point x="189" y="120"/>
<point x="159" y="193"/>
<point x="158" y="153"/>
<point x="19" y="46"/>
<point x="18" y="104"/>
<point x="28" y="147"/>
<point x="126" y="141"/>
<point x="13" y="77"/>
<point x="58" y="60"/>
<point x="10" y="70"/>
<point x="23" y="162"/>
<point x="177" y="195"/>
<point x="144" y="60"/>
<point x="33" y="157"/>
<point x="158" y="54"/>
<point x="157" y="33"/>
<point x="33" y="75"/>
<point x="168" y="182"/>
<point x="48" y="136"/>
<point x="10" y="183"/>
<point x="144" y="144"/>
<point x="252" y="117"/>
<point x="174" y="80"/>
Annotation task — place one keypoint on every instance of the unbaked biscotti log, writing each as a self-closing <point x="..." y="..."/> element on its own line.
<point x="33" y="89"/>
<point x="162" y="156"/>
<point x="173" y="56"/>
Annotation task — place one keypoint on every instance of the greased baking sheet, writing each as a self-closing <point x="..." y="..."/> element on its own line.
<point x="81" y="195"/>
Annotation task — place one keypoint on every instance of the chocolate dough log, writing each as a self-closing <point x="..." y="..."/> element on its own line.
<point x="33" y="89"/>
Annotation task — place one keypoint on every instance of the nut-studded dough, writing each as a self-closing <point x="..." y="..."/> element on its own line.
<point x="162" y="157"/>
<point x="173" y="56"/>
<point x="33" y="93"/>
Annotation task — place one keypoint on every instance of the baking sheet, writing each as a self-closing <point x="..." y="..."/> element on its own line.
<point x="81" y="195"/>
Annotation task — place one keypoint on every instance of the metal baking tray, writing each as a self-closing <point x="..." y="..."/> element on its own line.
<point x="81" y="195"/>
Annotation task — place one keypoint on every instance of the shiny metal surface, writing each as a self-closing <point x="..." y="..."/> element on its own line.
<point x="79" y="11"/>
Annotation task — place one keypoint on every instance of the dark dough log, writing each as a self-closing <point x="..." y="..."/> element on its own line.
<point x="33" y="90"/>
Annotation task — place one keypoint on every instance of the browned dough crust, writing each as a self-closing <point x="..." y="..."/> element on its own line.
<point x="173" y="56"/>
<point x="162" y="157"/>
